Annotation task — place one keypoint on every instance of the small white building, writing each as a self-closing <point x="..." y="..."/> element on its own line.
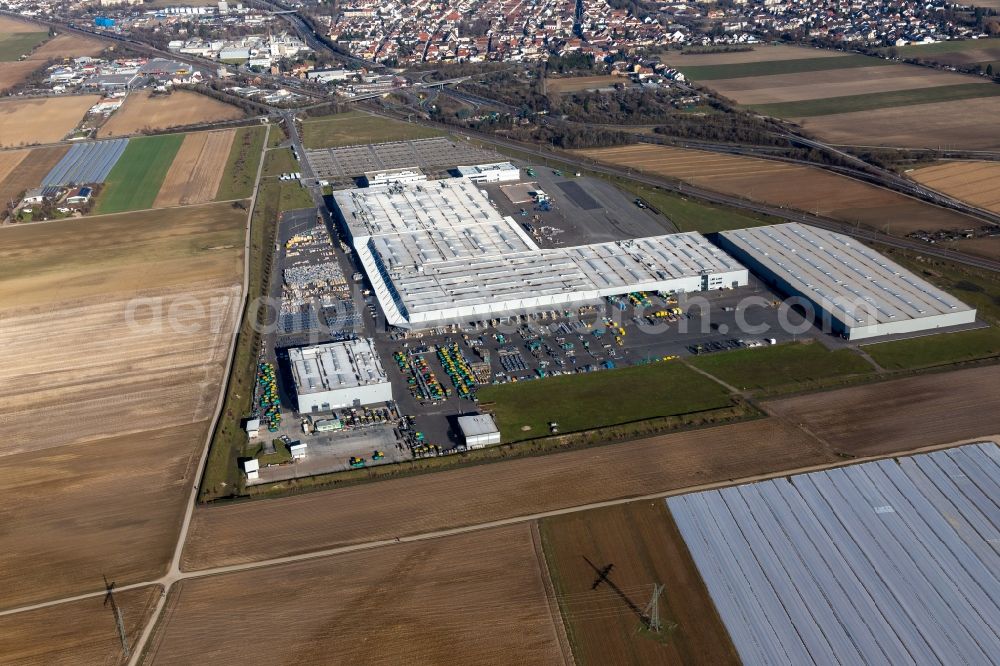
<point x="251" y="468"/>
<point x="497" y="172"/>
<point x="297" y="449"/>
<point x="338" y="375"/>
<point x="478" y="430"/>
<point x="252" y="427"/>
<point x="393" y="176"/>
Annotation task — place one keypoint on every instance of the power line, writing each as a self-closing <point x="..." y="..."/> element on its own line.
<point x="119" y="622"/>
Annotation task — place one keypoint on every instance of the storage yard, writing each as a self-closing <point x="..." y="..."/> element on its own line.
<point x="888" y="560"/>
<point x="25" y="122"/>
<point x="144" y="111"/>
<point x="131" y="400"/>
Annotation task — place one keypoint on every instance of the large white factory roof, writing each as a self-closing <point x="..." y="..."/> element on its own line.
<point x="854" y="283"/>
<point x="439" y="250"/>
<point x="335" y="365"/>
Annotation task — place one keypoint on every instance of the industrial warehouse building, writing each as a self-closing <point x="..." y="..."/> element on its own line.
<point x="497" y="172"/>
<point x="478" y="430"/>
<point x="390" y="176"/>
<point x="860" y="292"/>
<point x="438" y="252"/>
<point x="338" y="375"/>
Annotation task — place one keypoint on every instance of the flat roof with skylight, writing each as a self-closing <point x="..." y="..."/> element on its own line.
<point x="862" y="292"/>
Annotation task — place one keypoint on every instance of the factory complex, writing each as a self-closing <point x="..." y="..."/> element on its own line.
<point x="863" y="293"/>
<point x="338" y="375"/>
<point x="438" y="251"/>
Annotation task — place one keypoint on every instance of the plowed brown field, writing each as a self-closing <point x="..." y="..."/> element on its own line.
<point x="197" y="169"/>
<point x="80" y="632"/>
<point x="24" y="122"/>
<point x="950" y="125"/>
<point x="11" y="25"/>
<point x="880" y="418"/>
<point x="975" y="182"/>
<point x="30" y="170"/>
<point x="142" y="111"/>
<point x="790" y="185"/>
<point x="836" y="83"/>
<point x="645" y="547"/>
<point x="9" y="161"/>
<point x="12" y="73"/>
<point x="228" y="534"/>
<point x="470" y="599"/>
<point x="115" y="335"/>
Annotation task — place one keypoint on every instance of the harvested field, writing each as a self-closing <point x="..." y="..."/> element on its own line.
<point x="953" y="125"/>
<point x="577" y="83"/>
<point x="13" y="73"/>
<point x="69" y="46"/>
<point x="197" y="169"/>
<point x="975" y="182"/>
<point x="878" y="418"/>
<point x="30" y="171"/>
<point x="137" y="312"/>
<point x="469" y="599"/>
<point x="80" y="632"/>
<point x="758" y="54"/>
<point x="645" y="547"/>
<point x="144" y="112"/>
<point x="957" y="52"/>
<point x="790" y="185"/>
<point x="244" y="532"/>
<point x="836" y="83"/>
<point x="24" y="122"/>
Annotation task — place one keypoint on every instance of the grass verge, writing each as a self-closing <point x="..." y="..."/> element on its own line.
<point x="871" y="101"/>
<point x="523" y="410"/>
<point x="135" y="180"/>
<point x="770" y="67"/>
<point x="241" y="167"/>
<point x="278" y="161"/>
<point x="937" y="349"/>
<point x="797" y="363"/>
<point x="354" y="127"/>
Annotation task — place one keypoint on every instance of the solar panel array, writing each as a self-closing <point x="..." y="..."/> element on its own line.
<point x="888" y="562"/>
<point x="86" y="163"/>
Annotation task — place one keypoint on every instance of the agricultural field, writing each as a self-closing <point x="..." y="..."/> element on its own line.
<point x="581" y="402"/>
<point x="855" y="99"/>
<point x="975" y="182"/>
<point x="79" y="632"/>
<point x="197" y="169"/>
<point x="241" y="166"/>
<point x="241" y="532"/>
<point x="69" y="45"/>
<point x="144" y="111"/>
<point x="790" y="185"/>
<point x="14" y="46"/>
<point x="957" y="52"/>
<point x="135" y="180"/>
<point x="477" y="598"/>
<point x="31" y="167"/>
<point x="786" y="365"/>
<point x="354" y="127"/>
<point x="897" y="415"/>
<point x="569" y="84"/>
<point x="24" y="122"/>
<point x="137" y="311"/>
<point x="947" y="125"/>
<point x="13" y="73"/>
<point x="644" y="545"/>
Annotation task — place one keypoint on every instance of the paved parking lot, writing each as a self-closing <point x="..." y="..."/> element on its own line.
<point x="433" y="154"/>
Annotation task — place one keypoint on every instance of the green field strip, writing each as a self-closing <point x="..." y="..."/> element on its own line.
<point x="953" y="46"/>
<point x="941" y="349"/>
<point x="138" y="175"/>
<point x="849" y="103"/>
<point x="18" y="44"/>
<point x="771" y="67"/>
